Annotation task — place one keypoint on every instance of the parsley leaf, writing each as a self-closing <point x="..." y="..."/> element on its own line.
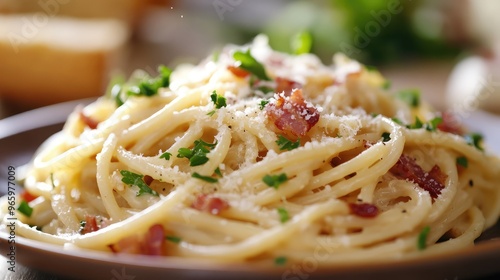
<point x="422" y="238"/>
<point x="217" y="172"/>
<point x="387" y="84"/>
<point x="302" y="42"/>
<point x="474" y="139"/>
<point x="25" y="208"/>
<point x="410" y="97"/>
<point x="166" y="155"/>
<point x="218" y="100"/>
<point x="134" y="179"/>
<point x="285" y="144"/>
<point x="433" y="124"/>
<point x="280" y="260"/>
<point x="462" y="161"/>
<point x="249" y="63"/>
<point x="197" y="155"/>
<point x="417" y="124"/>
<point x="174" y="239"/>
<point x="398" y="121"/>
<point x="274" y="181"/>
<point x="386" y="136"/>
<point x="284" y="217"/>
<point x="263" y="104"/>
<point x="204" y="178"/>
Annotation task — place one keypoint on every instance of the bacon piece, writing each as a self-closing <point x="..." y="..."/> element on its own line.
<point x="88" y="121"/>
<point x="450" y="124"/>
<point x="238" y="72"/>
<point x="364" y="210"/>
<point x="152" y="243"/>
<point x="433" y="181"/>
<point x="27" y="196"/>
<point x="210" y="204"/>
<point x="90" y="225"/>
<point x="148" y="180"/>
<point x="286" y="86"/>
<point x="292" y="115"/>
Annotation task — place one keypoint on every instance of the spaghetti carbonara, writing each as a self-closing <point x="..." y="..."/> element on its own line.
<point x="255" y="155"/>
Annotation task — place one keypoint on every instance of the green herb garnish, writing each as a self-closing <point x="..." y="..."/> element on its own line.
<point x="249" y="63"/>
<point x="433" y="124"/>
<point x="274" y="181"/>
<point x="218" y="100"/>
<point x="386" y="136"/>
<point x="285" y="144"/>
<point x="25" y="209"/>
<point x="387" y="84"/>
<point x="422" y="238"/>
<point x="263" y="104"/>
<point x="410" y="97"/>
<point x="134" y="179"/>
<point x="474" y="139"/>
<point x="166" y="155"/>
<point x="217" y="172"/>
<point x="204" y="178"/>
<point x="174" y="239"/>
<point x="302" y="42"/>
<point x="417" y="124"/>
<point x="462" y="161"/>
<point x="280" y="260"/>
<point x="283" y="213"/>
<point x="197" y="155"/>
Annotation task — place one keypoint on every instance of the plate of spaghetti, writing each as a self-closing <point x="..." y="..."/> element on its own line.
<point x="257" y="163"/>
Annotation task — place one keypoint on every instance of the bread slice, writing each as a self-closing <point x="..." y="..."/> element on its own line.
<point x="45" y="60"/>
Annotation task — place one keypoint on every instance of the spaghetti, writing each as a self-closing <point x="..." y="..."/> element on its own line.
<point x="257" y="155"/>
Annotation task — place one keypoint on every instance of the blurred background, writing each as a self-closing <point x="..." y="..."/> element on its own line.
<point x="57" y="50"/>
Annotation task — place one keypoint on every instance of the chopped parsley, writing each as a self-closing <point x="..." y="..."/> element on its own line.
<point x="417" y="124"/>
<point x="474" y="139"/>
<point x="462" y="161"/>
<point x="410" y="97"/>
<point x="265" y="89"/>
<point x="25" y="208"/>
<point x="250" y="64"/>
<point x="134" y="179"/>
<point x="145" y="86"/>
<point x="387" y="84"/>
<point x="398" y="121"/>
<point x="371" y="68"/>
<point x="386" y="136"/>
<point x="432" y="125"/>
<point x="422" y="238"/>
<point x="284" y="217"/>
<point x="285" y="144"/>
<point x="218" y="100"/>
<point x="173" y="239"/>
<point x="280" y="260"/>
<point x="198" y="154"/>
<point x="166" y="155"/>
<point x="217" y="172"/>
<point x="263" y="104"/>
<point x="274" y="181"/>
<point x="149" y="86"/>
<point x="302" y="42"/>
<point x="52" y="180"/>
<point x="204" y="178"/>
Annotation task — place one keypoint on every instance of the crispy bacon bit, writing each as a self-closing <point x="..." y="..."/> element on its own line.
<point x="286" y="86"/>
<point x="27" y="196"/>
<point x="90" y="225"/>
<point x="364" y="210"/>
<point x="152" y="244"/>
<point x="450" y="124"/>
<point x="148" y="179"/>
<point x="210" y="204"/>
<point x="238" y="72"/>
<point x="292" y="114"/>
<point x="88" y="121"/>
<point x="154" y="241"/>
<point x="433" y="181"/>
